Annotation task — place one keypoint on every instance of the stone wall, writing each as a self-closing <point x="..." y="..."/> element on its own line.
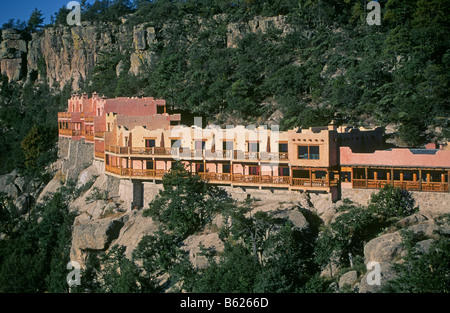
<point x="429" y="202"/>
<point x="75" y="156"/>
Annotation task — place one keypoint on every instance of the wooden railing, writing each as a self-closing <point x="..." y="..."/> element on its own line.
<point x="214" y="177"/>
<point x="70" y="132"/>
<point x="64" y="115"/>
<point x="89" y="136"/>
<point x="89" y="120"/>
<point x="307" y="182"/>
<point x="99" y="135"/>
<point x="131" y="172"/>
<point x="406" y="185"/>
<point x="225" y="177"/>
<point x="99" y="154"/>
<point x="65" y="132"/>
<point x="193" y="153"/>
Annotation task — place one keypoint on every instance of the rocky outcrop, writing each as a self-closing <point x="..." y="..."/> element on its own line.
<point x="93" y="236"/>
<point x="63" y="54"/>
<point x="70" y="53"/>
<point x="384" y="248"/>
<point x="13" y="52"/>
<point x="257" y="25"/>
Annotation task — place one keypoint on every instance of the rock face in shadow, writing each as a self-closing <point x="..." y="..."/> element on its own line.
<point x="95" y="235"/>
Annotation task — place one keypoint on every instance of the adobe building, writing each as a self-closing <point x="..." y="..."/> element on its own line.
<point x="135" y="139"/>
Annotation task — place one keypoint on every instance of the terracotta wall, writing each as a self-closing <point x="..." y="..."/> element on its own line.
<point x="395" y="157"/>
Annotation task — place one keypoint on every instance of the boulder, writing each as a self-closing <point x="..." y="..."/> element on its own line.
<point x="20" y="183"/>
<point x="349" y="278"/>
<point x="384" y="248"/>
<point x="7" y="185"/>
<point x="368" y="284"/>
<point x="50" y="188"/>
<point x="424" y="245"/>
<point x="192" y="244"/>
<point x="136" y="226"/>
<point x="86" y="175"/>
<point x="23" y="203"/>
<point x="296" y="217"/>
<point x="412" y="220"/>
<point x="95" y="235"/>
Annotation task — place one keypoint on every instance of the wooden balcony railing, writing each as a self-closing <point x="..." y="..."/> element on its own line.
<point x="228" y="178"/>
<point x="99" y="154"/>
<point x="184" y="152"/>
<point x="65" y="132"/>
<point x="63" y="115"/>
<point x="70" y="132"/>
<point x="89" y="120"/>
<point x="99" y="135"/>
<point x="307" y="182"/>
<point x="406" y="185"/>
<point x="89" y="136"/>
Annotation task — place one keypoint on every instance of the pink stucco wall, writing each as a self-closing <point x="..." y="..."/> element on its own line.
<point x="395" y="157"/>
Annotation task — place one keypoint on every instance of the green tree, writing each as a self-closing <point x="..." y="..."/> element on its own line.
<point x="392" y="203"/>
<point x="422" y="271"/>
<point x="36" y="20"/>
<point x="186" y="203"/>
<point x="236" y="271"/>
<point x="121" y="275"/>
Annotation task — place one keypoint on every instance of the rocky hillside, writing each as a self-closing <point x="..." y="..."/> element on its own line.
<point x="63" y="54"/>
<point x="104" y="219"/>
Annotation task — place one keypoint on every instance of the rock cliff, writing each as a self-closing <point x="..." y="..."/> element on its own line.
<point x="63" y="54"/>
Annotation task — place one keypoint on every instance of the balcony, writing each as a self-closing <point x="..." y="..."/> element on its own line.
<point x="64" y="115"/>
<point x="89" y="136"/>
<point x="405" y="185"/>
<point x="99" y="154"/>
<point x="137" y="173"/>
<point x="187" y="153"/>
<point x="99" y="135"/>
<point x="69" y="132"/>
<point x="307" y="182"/>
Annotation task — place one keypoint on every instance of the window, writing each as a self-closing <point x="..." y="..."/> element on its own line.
<point x="227" y="145"/>
<point x="283" y="171"/>
<point x="199" y="168"/>
<point x="314" y="152"/>
<point x="226" y="168"/>
<point x="253" y="147"/>
<point x="149" y="165"/>
<point x="160" y="109"/>
<point x="149" y="143"/>
<point x="175" y="143"/>
<point x="200" y="145"/>
<point x="253" y="170"/>
<point x="303" y="152"/>
<point x="308" y="152"/>
<point x="283" y="147"/>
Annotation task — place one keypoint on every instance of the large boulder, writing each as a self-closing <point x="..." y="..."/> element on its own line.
<point x="95" y="235"/>
<point x="8" y="186"/>
<point x="369" y="284"/>
<point x="295" y="216"/>
<point x="349" y="279"/>
<point x="384" y="248"/>
<point x="136" y="226"/>
<point x="210" y="242"/>
<point x="50" y="188"/>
